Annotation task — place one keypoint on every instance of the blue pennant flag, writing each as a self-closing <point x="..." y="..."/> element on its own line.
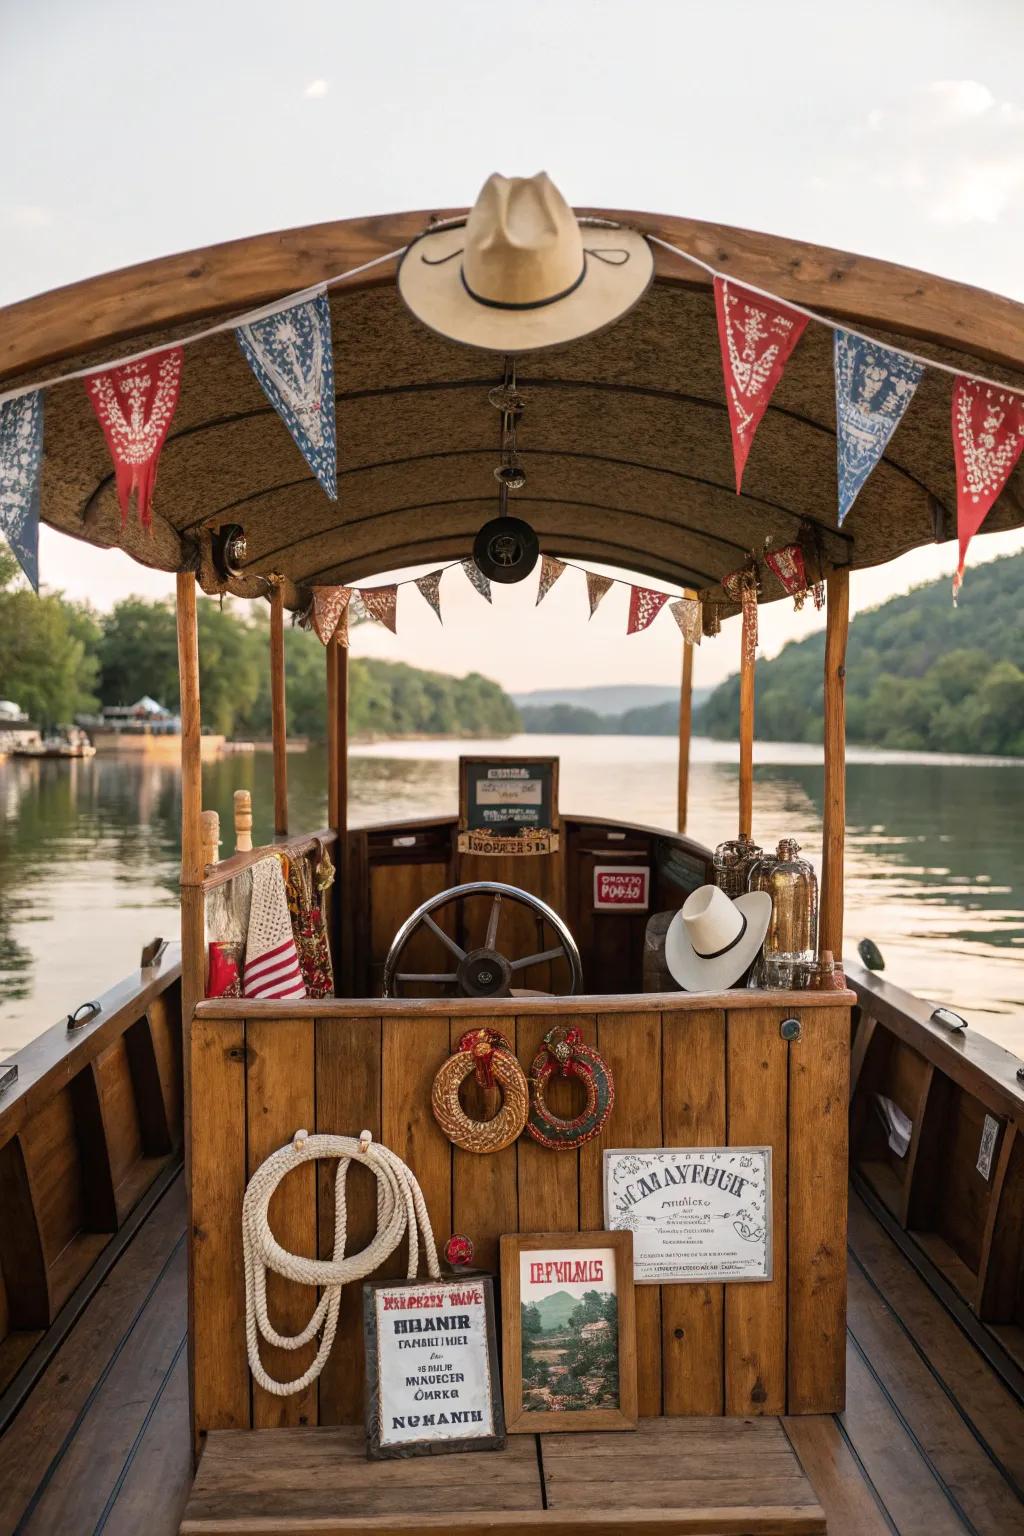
<point x="874" y="386"/>
<point x="290" y="354"/>
<point x="21" y="454"/>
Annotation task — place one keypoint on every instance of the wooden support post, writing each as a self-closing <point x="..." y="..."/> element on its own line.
<point x="685" y="724"/>
<point x="746" y="733"/>
<point x="278" y="712"/>
<point x="337" y="802"/>
<point x="830" y="926"/>
<point x="193" y="962"/>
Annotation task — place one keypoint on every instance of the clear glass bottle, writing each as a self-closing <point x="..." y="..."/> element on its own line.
<point x="790" y="945"/>
<point x="731" y="863"/>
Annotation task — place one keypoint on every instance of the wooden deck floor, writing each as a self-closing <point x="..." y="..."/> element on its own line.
<point x="931" y="1443"/>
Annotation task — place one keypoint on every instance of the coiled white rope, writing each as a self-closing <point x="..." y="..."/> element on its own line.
<point x="400" y="1209"/>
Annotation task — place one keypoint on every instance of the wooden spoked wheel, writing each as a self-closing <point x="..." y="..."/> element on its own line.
<point x="485" y="971"/>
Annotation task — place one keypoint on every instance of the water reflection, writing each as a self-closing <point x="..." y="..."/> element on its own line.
<point x="88" y="852"/>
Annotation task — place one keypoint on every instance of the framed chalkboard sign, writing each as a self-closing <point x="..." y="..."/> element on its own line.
<point x="508" y="805"/>
<point x="432" y="1383"/>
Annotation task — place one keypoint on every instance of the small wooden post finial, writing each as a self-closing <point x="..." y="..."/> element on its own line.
<point x="209" y="836"/>
<point x="243" y="821"/>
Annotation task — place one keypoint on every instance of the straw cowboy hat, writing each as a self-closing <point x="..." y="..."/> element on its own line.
<point x="521" y="272"/>
<point x="712" y="940"/>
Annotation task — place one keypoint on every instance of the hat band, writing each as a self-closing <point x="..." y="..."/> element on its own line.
<point x="713" y="954"/>
<point x="530" y="304"/>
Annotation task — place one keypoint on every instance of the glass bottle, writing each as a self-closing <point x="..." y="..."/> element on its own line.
<point x="790" y="944"/>
<point x="731" y="864"/>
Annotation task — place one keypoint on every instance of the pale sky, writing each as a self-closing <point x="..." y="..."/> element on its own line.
<point x="895" y="130"/>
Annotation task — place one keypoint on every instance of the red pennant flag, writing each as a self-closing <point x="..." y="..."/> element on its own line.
<point x="787" y="564"/>
<point x="135" y="403"/>
<point x="381" y="603"/>
<point x="329" y="604"/>
<point x="756" y="336"/>
<point x="644" y="607"/>
<point x="988" y="435"/>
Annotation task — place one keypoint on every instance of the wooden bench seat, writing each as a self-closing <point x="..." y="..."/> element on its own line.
<point x="692" y="1476"/>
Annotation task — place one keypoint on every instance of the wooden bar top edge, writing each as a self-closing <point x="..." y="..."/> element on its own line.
<point x="503" y="1007"/>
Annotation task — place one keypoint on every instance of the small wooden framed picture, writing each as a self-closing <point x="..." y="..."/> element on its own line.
<point x="431" y="1367"/>
<point x="568" y="1328"/>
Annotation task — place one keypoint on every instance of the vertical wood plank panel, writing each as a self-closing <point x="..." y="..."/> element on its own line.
<point x="99" y="1202"/>
<point x="631" y="1045"/>
<point x="154" y="1127"/>
<point x="165" y="1026"/>
<point x="221" y="1369"/>
<point x="484" y="1195"/>
<point x="412" y="1051"/>
<point x="348" y="1068"/>
<point x="819" y="1065"/>
<point x="757" y="1072"/>
<point x="549" y="1195"/>
<point x="693" y="1115"/>
<point x="280" y="1101"/>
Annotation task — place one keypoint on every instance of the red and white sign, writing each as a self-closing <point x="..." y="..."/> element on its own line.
<point x="621" y="887"/>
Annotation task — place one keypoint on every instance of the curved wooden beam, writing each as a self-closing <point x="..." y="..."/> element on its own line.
<point x="177" y="293"/>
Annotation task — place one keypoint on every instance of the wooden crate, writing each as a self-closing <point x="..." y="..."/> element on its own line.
<point x="689" y="1071"/>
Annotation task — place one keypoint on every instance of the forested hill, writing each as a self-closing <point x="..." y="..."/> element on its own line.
<point x="920" y="674"/>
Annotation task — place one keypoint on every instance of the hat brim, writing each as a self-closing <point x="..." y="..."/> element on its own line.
<point x="430" y="282"/>
<point x="696" y="975"/>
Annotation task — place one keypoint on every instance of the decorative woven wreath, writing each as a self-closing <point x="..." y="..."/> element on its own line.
<point x="564" y="1052"/>
<point x="489" y="1055"/>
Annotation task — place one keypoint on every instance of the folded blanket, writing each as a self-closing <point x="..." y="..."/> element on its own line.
<point x="271" y="959"/>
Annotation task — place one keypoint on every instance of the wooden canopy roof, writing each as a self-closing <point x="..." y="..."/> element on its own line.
<point x="625" y="436"/>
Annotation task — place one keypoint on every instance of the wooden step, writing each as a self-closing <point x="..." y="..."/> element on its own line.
<point x="677" y="1477"/>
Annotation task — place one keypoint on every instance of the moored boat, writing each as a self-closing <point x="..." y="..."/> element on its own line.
<point x="876" y="1396"/>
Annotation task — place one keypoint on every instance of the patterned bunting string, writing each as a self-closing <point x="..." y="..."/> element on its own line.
<point x="430" y="587"/>
<point x="381" y="603"/>
<point x="687" y="614"/>
<point x="291" y="355"/>
<point x="597" y="586"/>
<point x="988" y="435"/>
<point x="134" y="404"/>
<point x="21" y="454"/>
<point x="756" y="336"/>
<point x="477" y="577"/>
<point x="550" y="570"/>
<point x="330" y="605"/>
<point x="788" y="566"/>
<point x="874" y="386"/>
<point x="644" y="607"/>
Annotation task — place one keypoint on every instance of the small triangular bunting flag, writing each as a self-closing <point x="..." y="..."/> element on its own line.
<point x="756" y="336"/>
<point x="291" y="355"/>
<point x="134" y="404"/>
<point x="329" y="605"/>
<point x="550" y="570"/>
<point x="477" y="577"/>
<point x="687" y="614"/>
<point x="21" y="457"/>
<point x="988" y="435"/>
<point x="644" y="607"/>
<point x="597" y="587"/>
<point x="430" y="587"/>
<point x="381" y="604"/>
<point x="874" y="386"/>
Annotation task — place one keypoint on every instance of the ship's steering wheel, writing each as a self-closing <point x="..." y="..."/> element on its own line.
<point x="484" y="972"/>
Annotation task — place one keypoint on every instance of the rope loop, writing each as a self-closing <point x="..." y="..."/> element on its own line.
<point x="401" y="1210"/>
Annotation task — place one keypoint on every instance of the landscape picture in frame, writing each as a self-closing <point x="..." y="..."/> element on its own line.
<point x="569" y="1331"/>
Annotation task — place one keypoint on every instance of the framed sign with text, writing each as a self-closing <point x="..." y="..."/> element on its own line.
<point x="432" y="1383"/>
<point x="508" y="805"/>
<point x="701" y="1214"/>
<point x="621" y="887"/>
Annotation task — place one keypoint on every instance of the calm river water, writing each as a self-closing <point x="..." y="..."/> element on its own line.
<point x="88" y="852"/>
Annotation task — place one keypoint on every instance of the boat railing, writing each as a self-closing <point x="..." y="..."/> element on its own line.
<point x="91" y="1133"/>
<point x="937" y="1152"/>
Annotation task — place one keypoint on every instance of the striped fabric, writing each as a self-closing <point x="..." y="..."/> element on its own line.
<point x="271" y="959"/>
